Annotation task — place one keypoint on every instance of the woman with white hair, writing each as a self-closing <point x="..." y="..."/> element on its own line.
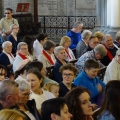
<point x="60" y="60"/>
<point x="13" y="38"/>
<point x="24" y="105"/>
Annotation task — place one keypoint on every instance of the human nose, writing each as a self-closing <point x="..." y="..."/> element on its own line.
<point x="70" y="115"/>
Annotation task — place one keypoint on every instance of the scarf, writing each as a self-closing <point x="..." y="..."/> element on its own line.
<point x="22" y="56"/>
<point x="48" y="57"/>
<point x="68" y="53"/>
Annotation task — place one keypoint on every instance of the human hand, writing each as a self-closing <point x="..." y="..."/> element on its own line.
<point x="99" y="87"/>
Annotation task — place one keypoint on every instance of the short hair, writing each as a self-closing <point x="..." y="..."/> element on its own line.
<point x="7" y="87"/>
<point x="111" y="99"/>
<point x="104" y="38"/>
<point x="74" y="104"/>
<point x="57" y="49"/>
<point x="76" y="24"/>
<point x="118" y="51"/>
<point x="11" y="114"/>
<point x="86" y="34"/>
<point x="100" y="49"/>
<point x="5" y="43"/>
<point x="23" y="85"/>
<point x="91" y="63"/>
<point x="70" y="67"/>
<point x="99" y="35"/>
<point x="117" y="36"/>
<point x="3" y="68"/>
<point x="11" y="26"/>
<point x="34" y="64"/>
<point x="92" y="37"/>
<point x="64" y="39"/>
<point x="52" y="106"/>
<point x="41" y="37"/>
<point x="21" y="44"/>
<point x="48" y="45"/>
<point x="9" y="9"/>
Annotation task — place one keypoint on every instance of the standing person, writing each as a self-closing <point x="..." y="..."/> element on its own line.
<point x="7" y="21"/>
<point x="75" y="35"/>
<point x="13" y="38"/>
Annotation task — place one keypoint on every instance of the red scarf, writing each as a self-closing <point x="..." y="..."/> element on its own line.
<point x="22" y="56"/>
<point x="68" y="54"/>
<point x="109" y="54"/>
<point x="48" y="57"/>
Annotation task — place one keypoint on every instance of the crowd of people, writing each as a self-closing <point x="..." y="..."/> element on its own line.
<point x="74" y="91"/>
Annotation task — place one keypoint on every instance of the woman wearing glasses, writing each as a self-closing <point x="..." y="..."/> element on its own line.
<point x="68" y="72"/>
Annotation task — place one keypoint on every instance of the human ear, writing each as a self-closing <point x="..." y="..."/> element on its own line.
<point x="53" y="116"/>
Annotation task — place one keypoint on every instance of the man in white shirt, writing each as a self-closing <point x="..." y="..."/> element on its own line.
<point x="38" y="44"/>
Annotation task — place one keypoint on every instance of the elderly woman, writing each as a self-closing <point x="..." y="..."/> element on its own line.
<point x="60" y="60"/>
<point x="6" y="57"/>
<point x="68" y="72"/>
<point x="26" y="106"/>
<point x="83" y="43"/>
<point x="66" y="42"/>
<point x="47" y="56"/>
<point x="13" y="38"/>
<point x="99" y="35"/>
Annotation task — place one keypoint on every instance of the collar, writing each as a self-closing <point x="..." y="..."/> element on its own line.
<point x="85" y="42"/>
<point x="8" y="20"/>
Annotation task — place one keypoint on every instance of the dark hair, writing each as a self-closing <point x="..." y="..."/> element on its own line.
<point x="70" y="67"/>
<point x="91" y="63"/>
<point x="3" y="68"/>
<point x="111" y="99"/>
<point x="73" y="102"/>
<point x="52" y="106"/>
<point x="9" y="9"/>
<point x="34" y="64"/>
<point x="92" y="37"/>
<point x="41" y="36"/>
<point x="27" y="39"/>
<point x="49" y="44"/>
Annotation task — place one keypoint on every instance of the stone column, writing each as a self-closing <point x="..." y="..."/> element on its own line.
<point x="108" y="13"/>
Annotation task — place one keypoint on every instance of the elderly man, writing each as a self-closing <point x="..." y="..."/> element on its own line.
<point x="6" y="57"/>
<point x="74" y="34"/>
<point x="8" y="94"/>
<point x="113" y="69"/>
<point x="111" y="49"/>
<point x="97" y="53"/>
<point x="22" y="56"/>
<point x="83" y="43"/>
<point x="117" y="40"/>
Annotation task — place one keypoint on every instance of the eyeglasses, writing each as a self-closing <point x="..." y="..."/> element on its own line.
<point x="69" y="75"/>
<point x="118" y="55"/>
<point x="26" y="94"/>
<point x="24" y="48"/>
<point x="7" y="13"/>
<point x="16" y="28"/>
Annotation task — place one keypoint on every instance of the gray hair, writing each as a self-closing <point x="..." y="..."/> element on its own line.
<point x="7" y="87"/>
<point x="57" y="49"/>
<point x="20" y="44"/>
<point x="11" y="26"/>
<point x="86" y="34"/>
<point x="76" y="24"/>
<point x="117" y="36"/>
<point x="23" y="85"/>
<point x="100" y="49"/>
<point x="118" y="52"/>
<point x="104" y="38"/>
<point x="5" y="43"/>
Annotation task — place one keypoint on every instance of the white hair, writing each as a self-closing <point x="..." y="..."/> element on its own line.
<point x="5" y="43"/>
<point x="20" y="44"/>
<point x="86" y="34"/>
<point x="57" y="49"/>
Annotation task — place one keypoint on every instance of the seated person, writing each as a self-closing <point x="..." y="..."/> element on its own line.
<point x="38" y="44"/>
<point x="92" y="43"/>
<point x="13" y="38"/>
<point x="66" y="42"/>
<point x="79" y="105"/>
<point x="113" y="69"/>
<point x="53" y="88"/>
<point x="37" y="93"/>
<point x="3" y="72"/>
<point x="6" y="57"/>
<point x="8" y="114"/>
<point x="60" y="60"/>
<point x="22" y="55"/>
<point x="99" y="35"/>
<point x="117" y="40"/>
<point x="46" y="56"/>
<point x="55" y="109"/>
<point x="111" y="49"/>
<point x="83" y="44"/>
<point x="26" y="106"/>
<point x="88" y="79"/>
<point x="68" y="72"/>
<point x="110" y="108"/>
<point x="97" y="53"/>
<point x="38" y="65"/>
